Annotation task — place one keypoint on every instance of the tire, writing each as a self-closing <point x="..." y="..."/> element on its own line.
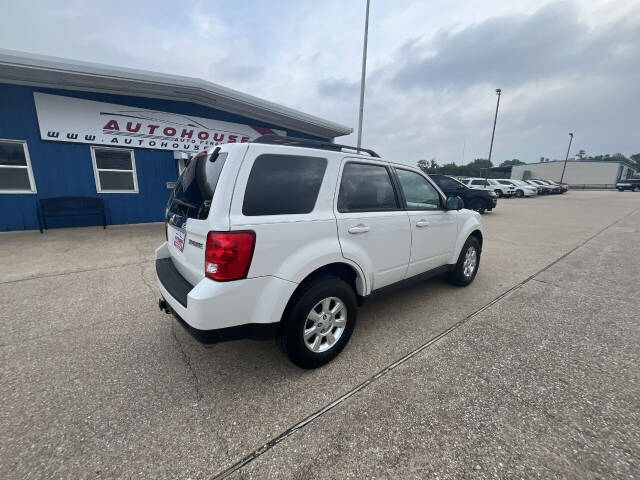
<point x="635" y="189"/>
<point x="621" y="189"/>
<point x="320" y="295"/>
<point x="457" y="276"/>
<point x="519" y="194"/>
<point x="498" y="193"/>
<point x="478" y="205"/>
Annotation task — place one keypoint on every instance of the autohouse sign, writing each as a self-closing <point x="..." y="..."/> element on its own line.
<point x="67" y="119"/>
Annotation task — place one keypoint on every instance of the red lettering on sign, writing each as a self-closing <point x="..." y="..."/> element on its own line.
<point x="203" y="135"/>
<point x="233" y="138"/>
<point x="186" y="133"/>
<point x="152" y="128"/>
<point x="216" y="139"/>
<point x="244" y="140"/>
<point x="169" y="131"/>
<point x="131" y="129"/>
<point x="111" y="125"/>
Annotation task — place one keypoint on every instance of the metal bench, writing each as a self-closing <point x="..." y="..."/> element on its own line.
<point x="69" y="207"/>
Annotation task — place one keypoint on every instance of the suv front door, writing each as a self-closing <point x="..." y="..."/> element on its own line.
<point x="373" y="229"/>
<point x="434" y="230"/>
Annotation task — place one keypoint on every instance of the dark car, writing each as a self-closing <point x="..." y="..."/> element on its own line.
<point x="474" y="199"/>
<point x="632" y="184"/>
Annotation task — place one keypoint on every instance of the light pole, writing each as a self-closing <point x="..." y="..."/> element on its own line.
<point x="567" y="157"/>
<point x="364" y="73"/>
<point x="495" y="119"/>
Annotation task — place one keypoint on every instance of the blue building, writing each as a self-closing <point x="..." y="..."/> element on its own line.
<point x="72" y="128"/>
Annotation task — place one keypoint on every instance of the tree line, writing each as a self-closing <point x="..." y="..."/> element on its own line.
<point x="477" y="167"/>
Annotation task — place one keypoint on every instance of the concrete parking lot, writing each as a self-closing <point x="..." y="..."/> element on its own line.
<point x="532" y="371"/>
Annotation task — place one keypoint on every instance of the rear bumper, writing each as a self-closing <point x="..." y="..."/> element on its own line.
<point x="216" y="311"/>
<point x="253" y="331"/>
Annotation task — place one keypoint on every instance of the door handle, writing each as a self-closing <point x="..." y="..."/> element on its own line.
<point x="422" y="223"/>
<point x="360" y="228"/>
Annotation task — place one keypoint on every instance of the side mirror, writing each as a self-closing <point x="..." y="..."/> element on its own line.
<point x="454" y="203"/>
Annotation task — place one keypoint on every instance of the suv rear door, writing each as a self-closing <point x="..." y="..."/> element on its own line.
<point x="188" y="211"/>
<point x="373" y="229"/>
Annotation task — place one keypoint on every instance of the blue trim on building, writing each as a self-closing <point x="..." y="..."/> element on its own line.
<point x="63" y="169"/>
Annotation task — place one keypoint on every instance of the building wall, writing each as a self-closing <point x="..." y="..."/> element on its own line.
<point x="603" y="174"/>
<point x="65" y="169"/>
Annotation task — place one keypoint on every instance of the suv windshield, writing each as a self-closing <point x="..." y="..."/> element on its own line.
<point x="191" y="198"/>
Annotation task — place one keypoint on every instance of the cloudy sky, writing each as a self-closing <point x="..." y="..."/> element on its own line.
<point x="433" y="66"/>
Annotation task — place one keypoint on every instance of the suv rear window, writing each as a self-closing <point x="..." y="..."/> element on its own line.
<point x="283" y="185"/>
<point x="194" y="189"/>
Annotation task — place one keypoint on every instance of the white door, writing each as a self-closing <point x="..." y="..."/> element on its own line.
<point x="373" y="230"/>
<point x="433" y="229"/>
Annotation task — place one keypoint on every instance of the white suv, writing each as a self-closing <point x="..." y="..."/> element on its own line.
<point x="491" y="184"/>
<point x="287" y="236"/>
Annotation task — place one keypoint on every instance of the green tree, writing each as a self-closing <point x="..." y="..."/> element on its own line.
<point x="515" y="161"/>
<point x="581" y="155"/>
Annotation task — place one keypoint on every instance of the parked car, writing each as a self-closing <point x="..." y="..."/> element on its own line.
<point x="287" y="237"/>
<point x="523" y="189"/>
<point x="500" y="189"/>
<point x="629" y="184"/>
<point x="554" y="187"/>
<point x="543" y="188"/>
<point x="480" y="200"/>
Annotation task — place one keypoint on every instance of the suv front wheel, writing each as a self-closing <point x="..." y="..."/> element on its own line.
<point x="466" y="268"/>
<point x="319" y="321"/>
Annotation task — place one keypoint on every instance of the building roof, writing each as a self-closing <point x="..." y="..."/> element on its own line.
<point x="53" y="72"/>
<point x="573" y="160"/>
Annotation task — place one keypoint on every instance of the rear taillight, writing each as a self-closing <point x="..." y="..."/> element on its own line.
<point x="227" y="255"/>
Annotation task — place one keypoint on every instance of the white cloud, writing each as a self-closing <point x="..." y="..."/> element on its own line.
<point x="428" y="88"/>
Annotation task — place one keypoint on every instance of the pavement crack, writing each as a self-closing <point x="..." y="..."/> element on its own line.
<point x="71" y="272"/>
<point x="187" y="361"/>
<point x="146" y="282"/>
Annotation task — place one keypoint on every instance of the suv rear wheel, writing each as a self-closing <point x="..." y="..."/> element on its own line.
<point x="467" y="265"/>
<point x="319" y="321"/>
<point x="498" y="192"/>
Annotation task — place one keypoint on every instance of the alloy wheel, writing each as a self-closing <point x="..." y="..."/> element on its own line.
<point x="325" y="324"/>
<point x="470" y="261"/>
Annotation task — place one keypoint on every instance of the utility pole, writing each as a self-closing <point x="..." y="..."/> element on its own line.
<point x="567" y="157"/>
<point x="464" y="146"/>
<point x="364" y="73"/>
<point x="495" y="119"/>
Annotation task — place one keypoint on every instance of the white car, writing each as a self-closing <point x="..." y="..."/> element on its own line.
<point x="287" y="236"/>
<point x="523" y="189"/>
<point x="491" y="184"/>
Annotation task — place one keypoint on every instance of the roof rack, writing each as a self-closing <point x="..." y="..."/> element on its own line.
<point x="273" y="139"/>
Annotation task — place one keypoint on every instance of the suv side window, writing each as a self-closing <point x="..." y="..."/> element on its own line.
<point x="418" y="192"/>
<point x="283" y="185"/>
<point x="446" y="183"/>
<point x="477" y="182"/>
<point x="366" y="188"/>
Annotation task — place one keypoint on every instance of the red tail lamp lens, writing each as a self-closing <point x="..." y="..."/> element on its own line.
<point x="228" y="255"/>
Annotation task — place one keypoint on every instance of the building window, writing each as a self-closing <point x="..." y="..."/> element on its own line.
<point x="16" y="175"/>
<point x="114" y="170"/>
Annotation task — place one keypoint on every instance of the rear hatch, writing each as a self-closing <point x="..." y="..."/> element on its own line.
<point x="188" y="211"/>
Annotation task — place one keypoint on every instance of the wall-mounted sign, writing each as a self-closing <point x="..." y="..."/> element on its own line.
<point x="68" y="119"/>
<point x="171" y="185"/>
